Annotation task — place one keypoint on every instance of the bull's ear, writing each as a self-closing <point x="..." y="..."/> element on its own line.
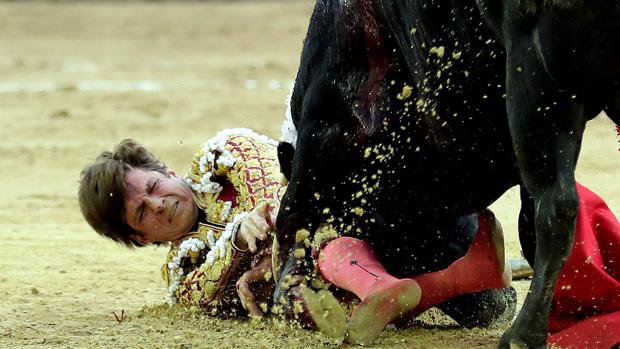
<point x="286" y="151"/>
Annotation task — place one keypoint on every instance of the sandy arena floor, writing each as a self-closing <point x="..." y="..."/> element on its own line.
<point x="77" y="78"/>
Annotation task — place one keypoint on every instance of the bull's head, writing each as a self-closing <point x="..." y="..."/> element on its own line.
<point x="339" y="108"/>
<point x="332" y="168"/>
<point x="317" y="168"/>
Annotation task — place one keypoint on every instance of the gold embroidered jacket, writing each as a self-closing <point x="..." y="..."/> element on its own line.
<point x="230" y="175"/>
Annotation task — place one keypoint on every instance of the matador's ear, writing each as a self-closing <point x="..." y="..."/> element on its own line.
<point x="286" y="152"/>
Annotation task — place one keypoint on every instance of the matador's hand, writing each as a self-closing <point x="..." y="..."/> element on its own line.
<point x="255" y="226"/>
<point x="260" y="273"/>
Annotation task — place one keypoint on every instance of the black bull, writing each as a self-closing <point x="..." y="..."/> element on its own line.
<point x="414" y="114"/>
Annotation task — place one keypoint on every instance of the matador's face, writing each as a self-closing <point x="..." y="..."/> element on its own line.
<point x="158" y="205"/>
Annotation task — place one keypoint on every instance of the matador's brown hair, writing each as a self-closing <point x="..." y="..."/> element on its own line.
<point x="102" y="189"/>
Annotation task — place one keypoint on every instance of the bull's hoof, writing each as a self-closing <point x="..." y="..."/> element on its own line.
<point x="519" y="345"/>
<point x="323" y="310"/>
<point x="287" y="297"/>
<point x="489" y="308"/>
<point x="510" y="341"/>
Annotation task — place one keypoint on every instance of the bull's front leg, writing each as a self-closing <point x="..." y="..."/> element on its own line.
<point x="546" y="124"/>
<point x="297" y="281"/>
<point x="300" y="294"/>
<point x="290" y="269"/>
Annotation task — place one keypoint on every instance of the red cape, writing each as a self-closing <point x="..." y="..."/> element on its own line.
<point x="585" y="311"/>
